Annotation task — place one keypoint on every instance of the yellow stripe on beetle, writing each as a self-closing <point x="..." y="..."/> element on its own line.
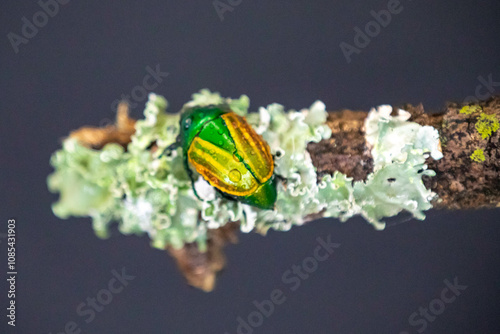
<point x="220" y="169"/>
<point x="253" y="150"/>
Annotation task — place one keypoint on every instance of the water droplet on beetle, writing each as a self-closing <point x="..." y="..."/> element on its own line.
<point x="220" y="143"/>
<point x="187" y="123"/>
<point x="235" y="175"/>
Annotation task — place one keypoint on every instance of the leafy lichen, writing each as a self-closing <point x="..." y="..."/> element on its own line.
<point x="400" y="149"/>
<point x="145" y="192"/>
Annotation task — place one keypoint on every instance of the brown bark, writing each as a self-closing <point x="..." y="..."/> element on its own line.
<point x="459" y="182"/>
<point x="201" y="268"/>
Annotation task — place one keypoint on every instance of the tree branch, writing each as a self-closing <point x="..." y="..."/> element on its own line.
<point x="461" y="182"/>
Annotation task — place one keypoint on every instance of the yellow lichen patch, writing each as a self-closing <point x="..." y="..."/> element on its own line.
<point x="478" y="156"/>
<point x="487" y="125"/>
<point x="469" y="110"/>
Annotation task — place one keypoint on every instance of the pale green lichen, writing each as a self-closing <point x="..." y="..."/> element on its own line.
<point x="478" y="156"/>
<point x="148" y="193"/>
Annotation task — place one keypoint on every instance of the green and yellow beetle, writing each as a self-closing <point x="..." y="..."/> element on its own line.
<point x="227" y="152"/>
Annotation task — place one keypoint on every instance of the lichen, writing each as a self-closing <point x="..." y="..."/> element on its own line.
<point x="469" y="110"/>
<point x="147" y="192"/>
<point x="478" y="156"/>
<point x="399" y="150"/>
<point x="486" y="125"/>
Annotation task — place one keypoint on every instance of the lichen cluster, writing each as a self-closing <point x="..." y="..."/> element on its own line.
<point x="486" y="126"/>
<point x="147" y="192"/>
<point x="478" y="156"/>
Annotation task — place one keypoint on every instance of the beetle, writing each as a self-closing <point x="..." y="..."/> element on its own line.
<point x="227" y="152"/>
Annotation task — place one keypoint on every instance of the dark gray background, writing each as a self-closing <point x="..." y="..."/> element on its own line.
<point x="274" y="51"/>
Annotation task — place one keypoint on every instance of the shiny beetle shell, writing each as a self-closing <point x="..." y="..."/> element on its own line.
<point x="227" y="152"/>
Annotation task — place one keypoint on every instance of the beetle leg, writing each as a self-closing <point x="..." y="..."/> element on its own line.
<point x="225" y="196"/>
<point x="190" y="173"/>
<point x="172" y="147"/>
<point x="280" y="178"/>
